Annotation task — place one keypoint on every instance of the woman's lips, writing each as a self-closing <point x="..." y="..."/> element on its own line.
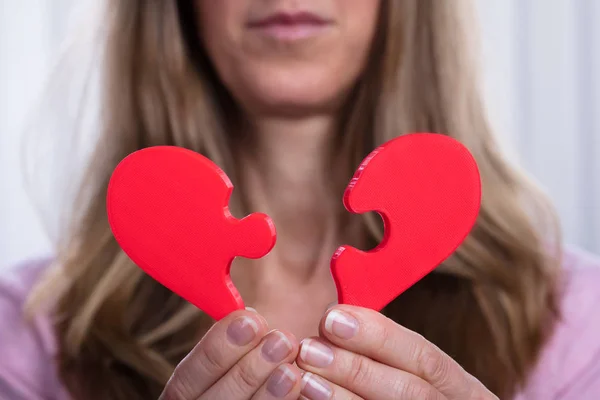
<point x="291" y="26"/>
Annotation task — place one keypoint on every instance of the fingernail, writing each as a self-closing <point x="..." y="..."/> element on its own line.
<point x="315" y="388"/>
<point x="242" y="330"/>
<point x="251" y="309"/>
<point x="316" y="353"/>
<point x="276" y="347"/>
<point x="281" y="381"/>
<point x="341" y="324"/>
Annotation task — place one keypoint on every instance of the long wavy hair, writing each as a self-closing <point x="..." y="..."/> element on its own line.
<point x="491" y="305"/>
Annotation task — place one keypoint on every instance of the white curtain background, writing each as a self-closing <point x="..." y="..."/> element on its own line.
<point x="542" y="69"/>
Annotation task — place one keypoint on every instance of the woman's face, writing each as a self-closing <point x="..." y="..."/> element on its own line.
<point x="288" y="56"/>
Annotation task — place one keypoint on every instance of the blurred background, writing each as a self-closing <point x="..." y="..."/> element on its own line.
<point x="542" y="75"/>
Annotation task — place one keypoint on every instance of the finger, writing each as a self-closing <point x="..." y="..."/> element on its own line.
<point x="247" y="376"/>
<point x="361" y="375"/>
<point x="315" y="387"/>
<point x="375" y="336"/>
<point x="284" y="383"/>
<point x="220" y="349"/>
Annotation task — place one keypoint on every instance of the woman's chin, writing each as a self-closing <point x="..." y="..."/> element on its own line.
<point x="296" y="105"/>
<point x="286" y="100"/>
<point x="294" y="90"/>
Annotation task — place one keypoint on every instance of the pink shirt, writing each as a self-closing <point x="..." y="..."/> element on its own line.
<point x="569" y="367"/>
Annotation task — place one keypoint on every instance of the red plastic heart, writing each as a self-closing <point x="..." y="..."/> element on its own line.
<point x="427" y="189"/>
<point x="168" y="210"/>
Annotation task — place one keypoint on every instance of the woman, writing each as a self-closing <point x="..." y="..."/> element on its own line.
<point x="288" y="97"/>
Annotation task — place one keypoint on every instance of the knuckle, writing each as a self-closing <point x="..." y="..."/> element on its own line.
<point x="482" y="394"/>
<point x="478" y="391"/>
<point x="211" y="359"/>
<point x="414" y="389"/>
<point x="245" y="378"/>
<point x="175" y="389"/>
<point x="425" y="393"/>
<point x="360" y="372"/>
<point x="382" y="337"/>
<point x="431" y="364"/>
<point x="386" y="339"/>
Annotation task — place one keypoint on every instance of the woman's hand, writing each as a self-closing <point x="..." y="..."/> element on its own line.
<point x="363" y="354"/>
<point x="238" y="359"/>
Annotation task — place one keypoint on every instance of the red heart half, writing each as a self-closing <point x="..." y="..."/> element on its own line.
<point x="427" y="189"/>
<point x="168" y="210"/>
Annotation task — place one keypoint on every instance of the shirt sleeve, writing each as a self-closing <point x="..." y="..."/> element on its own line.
<point x="580" y="359"/>
<point x="27" y="369"/>
<point x="587" y="383"/>
<point x="569" y="367"/>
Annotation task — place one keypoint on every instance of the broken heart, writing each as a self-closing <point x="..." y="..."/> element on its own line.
<point x="168" y="210"/>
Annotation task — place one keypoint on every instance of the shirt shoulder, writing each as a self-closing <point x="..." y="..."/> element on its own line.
<point x="569" y="367"/>
<point x="27" y="367"/>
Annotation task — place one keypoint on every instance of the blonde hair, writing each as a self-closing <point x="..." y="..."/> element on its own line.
<point x="491" y="305"/>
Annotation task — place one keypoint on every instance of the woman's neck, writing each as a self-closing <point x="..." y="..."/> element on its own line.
<point x="287" y="175"/>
